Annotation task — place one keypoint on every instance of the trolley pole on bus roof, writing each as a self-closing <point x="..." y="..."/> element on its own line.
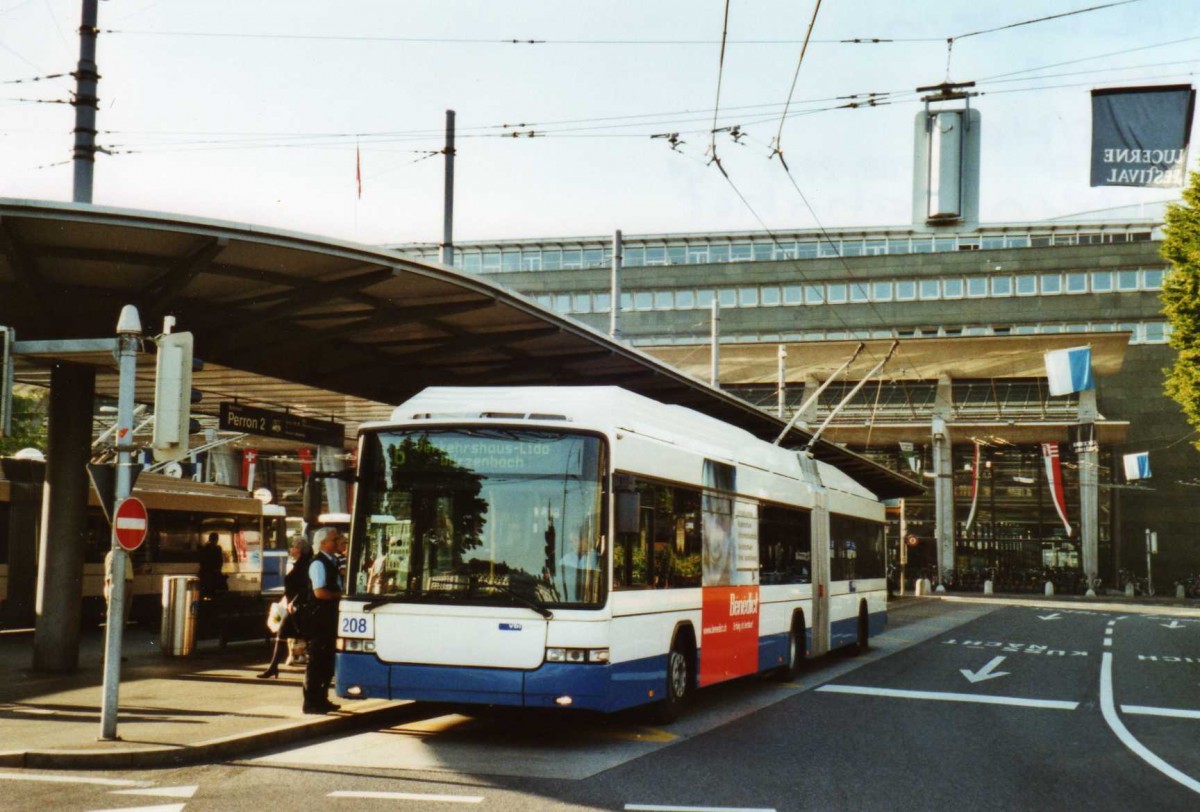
<point x="129" y="333"/>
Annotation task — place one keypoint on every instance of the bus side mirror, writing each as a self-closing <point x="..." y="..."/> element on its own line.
<point x="312" y="500"/>
<point x="629" y="508"/>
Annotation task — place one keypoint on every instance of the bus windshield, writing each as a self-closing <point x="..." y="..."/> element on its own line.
<point x="480" y="515"/>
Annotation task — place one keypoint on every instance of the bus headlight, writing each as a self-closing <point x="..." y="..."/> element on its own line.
<point x="576" y="655"/>
<point x="354" y="644"/>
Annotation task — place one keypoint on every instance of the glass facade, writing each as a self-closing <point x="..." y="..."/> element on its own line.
<point x="716" y="248"/>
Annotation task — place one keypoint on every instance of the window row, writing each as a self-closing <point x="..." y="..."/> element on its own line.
<point x="667" y="550"/>
<point x="888" y="290"/>
<point x="1145" y="332"/>
<point x="557" y="258"/>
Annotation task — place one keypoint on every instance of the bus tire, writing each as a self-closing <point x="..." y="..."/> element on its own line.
<point x="864" y="630"/>
<point x="681" y="667"/>
<point x="795" y="653"/>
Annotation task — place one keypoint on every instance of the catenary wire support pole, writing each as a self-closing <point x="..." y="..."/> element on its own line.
<point x="129" y="333"/>
<point x="448" y="195"/>
<point x="614" y="311"/>
<point x="781" y="404"/>
<point x="87" y="77"/>
<point x="715" y="372"/>
<point x="811" y="398"/>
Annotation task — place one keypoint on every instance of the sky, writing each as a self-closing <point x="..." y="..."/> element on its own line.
<point x="264" y="112"/>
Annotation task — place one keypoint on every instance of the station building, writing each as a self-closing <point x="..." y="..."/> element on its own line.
<point x="974" y="307"/>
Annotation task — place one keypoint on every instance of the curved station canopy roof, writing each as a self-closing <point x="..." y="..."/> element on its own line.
<point x="322" y="328"/>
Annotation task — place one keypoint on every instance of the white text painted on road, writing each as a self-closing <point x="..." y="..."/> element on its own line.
<point x="1015" y="648"/>
<point x="1163" y="658"/>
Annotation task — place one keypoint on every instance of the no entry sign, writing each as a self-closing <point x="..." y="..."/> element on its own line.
<point x="129" y="523"/>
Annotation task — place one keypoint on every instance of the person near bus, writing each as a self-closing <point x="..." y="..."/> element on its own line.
<point x="212" y="559"/>
<point x="321" y="622"/>
<point x="295" y="584"/>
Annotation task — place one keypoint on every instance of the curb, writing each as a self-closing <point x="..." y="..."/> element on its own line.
<point x="220" y="749"/>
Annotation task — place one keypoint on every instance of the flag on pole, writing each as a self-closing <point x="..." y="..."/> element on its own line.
<point x="974" y="490"/>
<point x="1137" y="466"/>
<point x="249" y="463"/>
<point x="1069" y="370"/>
<point x="358" y="169"/>
<point x="1055" y="480"/>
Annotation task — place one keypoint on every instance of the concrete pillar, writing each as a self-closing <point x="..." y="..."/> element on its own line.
<point x="64" y="519"/>
<point x="943" y="486"/>
<point x="808" y="415"/>
<point x="1089" y="488"/>
<point x="25" y="478"/>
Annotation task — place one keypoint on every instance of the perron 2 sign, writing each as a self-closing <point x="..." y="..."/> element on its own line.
<point x="1140" y="135"/>
<point x="281" y="425"/>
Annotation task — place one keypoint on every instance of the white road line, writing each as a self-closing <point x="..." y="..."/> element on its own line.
<point x="1108" y="642"/>
<point x="1127" y="738"/>
<point x="661" y="808"/>
<point x="408" y="796"/>
<point x="73" y="779"/>
<point x="944" y="696"/>
<point x="1142" y="710"/>
<point x="162" y="792"/>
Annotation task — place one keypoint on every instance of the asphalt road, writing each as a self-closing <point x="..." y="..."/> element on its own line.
<point x="957" y="706"/>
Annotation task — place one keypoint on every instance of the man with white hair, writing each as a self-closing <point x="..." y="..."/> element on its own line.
<point x="326" y="591"/>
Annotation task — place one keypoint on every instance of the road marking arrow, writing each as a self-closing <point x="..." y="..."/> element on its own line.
<point x="987" y="672"/>
<point x="1174" y="624"/>
<point x="1054" y="616"/>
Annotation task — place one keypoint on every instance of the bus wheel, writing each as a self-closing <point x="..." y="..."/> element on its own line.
<point x="679" y="684"/>
<point x="864" y="630"/>
<point x="795" y="653"/>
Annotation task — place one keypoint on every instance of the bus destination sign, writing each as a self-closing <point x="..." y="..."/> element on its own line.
<point x="281" y="425"/>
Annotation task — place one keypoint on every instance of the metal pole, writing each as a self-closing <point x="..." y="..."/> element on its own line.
<point x="614" y="312"/>
<point x="86" y="79"/>
<point x="715" y="375"/>
<point x="1149" y="575"/>
<point x="782" y="404"/>
<point x="448" y="194"/>
<point x="129" y="332"/>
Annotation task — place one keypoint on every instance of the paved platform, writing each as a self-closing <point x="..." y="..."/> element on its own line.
<point x="172" y="710"/>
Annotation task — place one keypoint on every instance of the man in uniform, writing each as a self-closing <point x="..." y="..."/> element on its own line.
<point x="326" y="592"/>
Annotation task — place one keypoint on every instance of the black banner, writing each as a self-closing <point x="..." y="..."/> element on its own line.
<point x="1140" y="135"/>
<point x="281" y="425"/>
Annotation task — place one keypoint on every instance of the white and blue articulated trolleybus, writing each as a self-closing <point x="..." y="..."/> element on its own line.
<point x="586" y="547"/>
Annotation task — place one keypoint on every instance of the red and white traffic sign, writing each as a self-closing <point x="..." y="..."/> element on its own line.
<point x="130" y="522"/>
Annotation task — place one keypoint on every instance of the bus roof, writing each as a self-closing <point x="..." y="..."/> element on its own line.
<point x="611" y="409"/>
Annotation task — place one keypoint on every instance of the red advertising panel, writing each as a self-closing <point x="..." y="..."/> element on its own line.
<point x="729" y="638"/>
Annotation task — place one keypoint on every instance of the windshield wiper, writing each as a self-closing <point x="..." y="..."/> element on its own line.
<point x="523" y="599"/>
<point x="377" y="602"/>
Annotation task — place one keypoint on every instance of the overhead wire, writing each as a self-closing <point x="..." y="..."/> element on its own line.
<point x="795" y="78"/>
<point x="712" y="146"/>
<point x="951" y="40"/>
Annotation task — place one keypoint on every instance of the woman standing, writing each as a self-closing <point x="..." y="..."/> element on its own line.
<point x="295" y="584"/>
